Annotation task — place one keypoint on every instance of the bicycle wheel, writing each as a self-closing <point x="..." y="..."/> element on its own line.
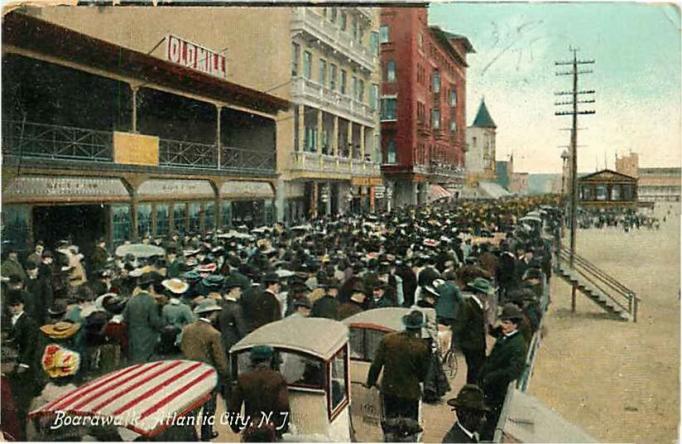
<point x="450" y="363"/>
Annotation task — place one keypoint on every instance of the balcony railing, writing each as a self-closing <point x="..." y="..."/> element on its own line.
<point x="176" y="153"/>
<point x="181" y="153"/>
<point x="29" y="139"/>
<point x="38" y="140"/>
<point x="305" y="19"/>
<point x="333" y="100"/>
<point x="447" y="170"/>
<point x="312" y="161"/>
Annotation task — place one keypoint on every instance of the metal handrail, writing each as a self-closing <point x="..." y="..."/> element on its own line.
<point x="609" y="280"/>
<point x="592" y="274"/>
<point x="587" y="264"/>
<point x="56" y="141"/>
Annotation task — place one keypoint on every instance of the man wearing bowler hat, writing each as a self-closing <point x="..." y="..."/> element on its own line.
<point x="265" y="395"/>
<point x="263" y="306"/>
<point x="469" y="328"/>
<point x="504" y="364"/>
<point x="404" y="357"/>
<point x="327" y="306"/>
<point x="233" y="325"/>
<point x="471" y="411"/>
<point x="143" y="316"/>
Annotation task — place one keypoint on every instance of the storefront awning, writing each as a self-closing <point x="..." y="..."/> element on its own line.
<point x="492" y="190"/>
<point x="162" y="189"/>
<point x="438" y="192"/>
<point x="246" y="190"/>
<point x="64" y="189"/>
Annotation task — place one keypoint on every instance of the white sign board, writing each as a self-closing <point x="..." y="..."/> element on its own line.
<point x="196" y="57"/>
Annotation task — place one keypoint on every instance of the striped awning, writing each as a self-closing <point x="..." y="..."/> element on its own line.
<point x="144" y="398"/>
<point x="438" y="192"/>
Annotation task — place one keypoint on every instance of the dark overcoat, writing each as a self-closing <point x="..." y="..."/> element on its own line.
<point x="405" y="361"/>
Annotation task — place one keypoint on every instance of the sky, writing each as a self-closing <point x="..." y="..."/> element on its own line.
<point x="636" y="75"/>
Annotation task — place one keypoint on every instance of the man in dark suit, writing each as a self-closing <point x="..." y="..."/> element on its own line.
<point x="469" y="328"/>
<point x="263" y="307"/>
<point x="404" y="357"/>
<point x="504" y="364"/>
<point x="233" y="325"/>
<point x="143" y="316"/>
<point x="327" y="306"/>
<point x="23" y="337"/>
<point x="471" y="411"/>
<point x="265" y="395"/>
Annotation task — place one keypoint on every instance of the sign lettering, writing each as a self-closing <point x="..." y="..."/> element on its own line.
<point x="196" y="57"/>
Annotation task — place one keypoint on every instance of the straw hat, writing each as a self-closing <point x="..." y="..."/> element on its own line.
<point x="175" y="286"/>
<point x="61" y="329"/>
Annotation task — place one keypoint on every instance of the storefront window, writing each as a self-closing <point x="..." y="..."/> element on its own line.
<point x="179" y="214"/>
<point x="120" y="223"/>
<point x="269" y="212"/>
<point x="226" y="213"/>
<point x="249" y="212"/>
<point x="615" y="192"/>
<point x="195" y="217"/>
<point x="15" y="225"/>
<point x="162" y="219"/>
<point x="209" y="216"/>
<point x="144" y="220"/>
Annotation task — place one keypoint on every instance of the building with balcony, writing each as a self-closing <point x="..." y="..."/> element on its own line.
<point x="423" y="96"/>
<point x="322" y="150"/>
<point x="102" y="140"/>
<point x="334" y="163"/>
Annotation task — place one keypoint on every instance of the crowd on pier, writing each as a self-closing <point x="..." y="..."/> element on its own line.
<point x="69" y="318"/>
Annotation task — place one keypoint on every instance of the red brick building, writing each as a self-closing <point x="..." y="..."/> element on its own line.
<point x="423" y="105"/>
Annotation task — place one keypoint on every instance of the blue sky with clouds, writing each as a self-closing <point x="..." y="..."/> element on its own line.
<point x="638" y="57"/>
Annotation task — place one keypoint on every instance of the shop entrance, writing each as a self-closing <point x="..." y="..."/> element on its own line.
<point x="83" y="224"/>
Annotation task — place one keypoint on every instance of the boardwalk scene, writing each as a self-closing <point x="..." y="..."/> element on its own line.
<point x="439" y="222"/>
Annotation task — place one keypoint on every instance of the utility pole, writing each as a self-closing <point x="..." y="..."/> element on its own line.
<point x="574" y="72"/>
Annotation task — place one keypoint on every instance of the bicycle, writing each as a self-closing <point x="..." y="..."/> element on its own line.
<point x="449" y="363"/>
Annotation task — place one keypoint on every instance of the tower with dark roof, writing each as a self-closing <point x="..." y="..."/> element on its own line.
<point x="480" y="156"/>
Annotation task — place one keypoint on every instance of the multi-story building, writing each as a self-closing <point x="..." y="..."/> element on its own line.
<point x="103" y="138"/>
<point x="334" y="157"/>
<point x="659" y="184"/>
<point x="303" y="108"/>
<point x="480" y="155"/>
<point x="628" y="164"/>
<point x="655" y="184"/>
<point x="423" y="96"/>
<point x="519" y="183"/>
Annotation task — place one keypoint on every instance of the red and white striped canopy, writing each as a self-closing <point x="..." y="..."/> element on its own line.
<point x="144" y="398"/>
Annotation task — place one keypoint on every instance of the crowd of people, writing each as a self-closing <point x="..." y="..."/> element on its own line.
<point x="69" y="318"/>
<point x="626" y="219"/>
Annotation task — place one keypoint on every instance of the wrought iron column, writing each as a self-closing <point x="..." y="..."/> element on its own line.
<point x="218" y="134"/>
<point x="133" y="123"/>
